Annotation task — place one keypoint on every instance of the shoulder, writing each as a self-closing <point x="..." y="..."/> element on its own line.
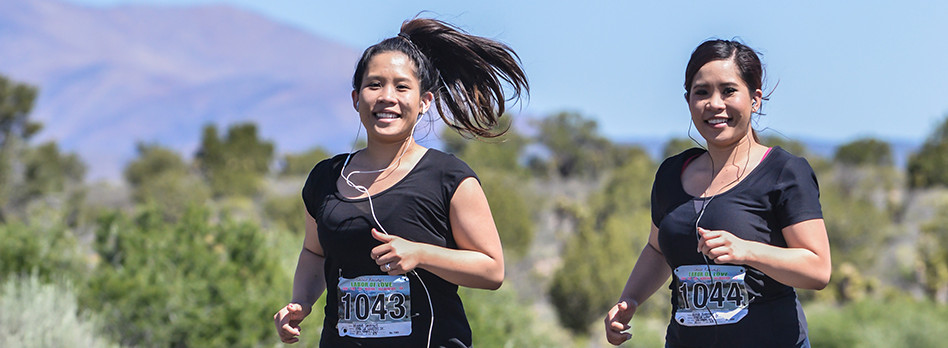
<point x="448" y="163"/>
<point x="789" y="164"/>
<point x="327" y="167"/>
<point x="674" y="164"/>
<point x="320" y="182"/>
<point x="447" y="169"/>
<point x="443" y="157"/>
<point x="323" y="173"/>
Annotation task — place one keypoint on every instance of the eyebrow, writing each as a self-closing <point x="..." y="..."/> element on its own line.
<point x="707" y="85"/>
<point x="396" y="79"/>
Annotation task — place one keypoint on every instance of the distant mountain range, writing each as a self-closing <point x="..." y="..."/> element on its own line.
<point x="109" y="77"/>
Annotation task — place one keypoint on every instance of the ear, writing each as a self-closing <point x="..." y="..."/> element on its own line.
<point x="426" y="100"/>
<point x="757" y="98"/>
<point x="355" y="100"/>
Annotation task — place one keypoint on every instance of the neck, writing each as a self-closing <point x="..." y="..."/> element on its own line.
<point x="381" y="155"/>
<point x="738" y="152"/>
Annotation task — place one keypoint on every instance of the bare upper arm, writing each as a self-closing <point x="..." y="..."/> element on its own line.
<point x="810" y="235"/>
<point x="471" y="221"/>
<point x="653" y="238"/>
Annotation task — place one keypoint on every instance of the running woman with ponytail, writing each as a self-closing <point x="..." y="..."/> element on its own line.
<point x="393" y="229"/>
<point x="737" y="225"/>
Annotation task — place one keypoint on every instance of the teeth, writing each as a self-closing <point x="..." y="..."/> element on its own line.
<point x="717" y="120"/>
<point x="386" y="115"/>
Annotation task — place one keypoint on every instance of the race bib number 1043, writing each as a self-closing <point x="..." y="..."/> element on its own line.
<point x="374" y="306"/>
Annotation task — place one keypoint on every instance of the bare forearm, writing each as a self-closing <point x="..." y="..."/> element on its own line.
<point x="308" y="281"/>
<point x="463" y="267"/>
<point x="796" y="267"/>
<point x="650" y="273"/>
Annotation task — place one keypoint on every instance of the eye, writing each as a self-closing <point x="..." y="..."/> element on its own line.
<point x="373" y="85"/>
<point x="402" y="87"/>
<point x="699" y="92"/>
<point x="729" y="90"/>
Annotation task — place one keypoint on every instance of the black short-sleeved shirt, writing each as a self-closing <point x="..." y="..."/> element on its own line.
<point x="781" y="191"/>
<point x="417" y="209"/>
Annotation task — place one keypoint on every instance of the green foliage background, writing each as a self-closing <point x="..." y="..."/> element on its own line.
<point x="200" y="251"/>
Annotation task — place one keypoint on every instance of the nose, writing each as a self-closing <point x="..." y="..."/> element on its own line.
<point x="715" y="102"/>
<point x="387" y="95"/>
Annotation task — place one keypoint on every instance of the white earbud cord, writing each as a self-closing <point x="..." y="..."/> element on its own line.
<point x="365" y="190"/>
<point x="704" y="206"/>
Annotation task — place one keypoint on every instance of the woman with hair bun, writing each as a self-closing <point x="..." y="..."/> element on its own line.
<point x="737" y="225"/>
<point x="393" y="229"/>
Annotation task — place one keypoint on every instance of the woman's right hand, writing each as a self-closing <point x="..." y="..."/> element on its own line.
<point x="287" y="322"/>
<point x="617" y="321"/>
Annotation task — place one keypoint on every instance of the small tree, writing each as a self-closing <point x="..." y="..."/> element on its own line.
<point x="611" y="231"/>
<point x="677" y="145"/>
<point x="16" y="102"/>
<point x="190" y="283"/>
<point x="235" y="164"/>
<point x="863" y="152"/>
<point x="929" y="166"/>
<point x="575" y="145"/>
<point x="159" y="176"/>
<point x="300" y="164"/>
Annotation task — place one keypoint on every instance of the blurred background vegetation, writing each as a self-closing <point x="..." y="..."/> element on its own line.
<point x="198" y="250"/>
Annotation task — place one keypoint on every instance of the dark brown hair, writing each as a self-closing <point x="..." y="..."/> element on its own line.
<point x="746" y="59"/>
<point x="466" y="73"/>
<point x="748" y="63"/>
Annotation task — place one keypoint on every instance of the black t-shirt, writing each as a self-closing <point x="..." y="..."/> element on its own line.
<point x="781" y="191"/>
<point x="417" y="209"/>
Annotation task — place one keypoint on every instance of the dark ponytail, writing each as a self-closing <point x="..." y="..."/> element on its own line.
<point x="466" y="73"/>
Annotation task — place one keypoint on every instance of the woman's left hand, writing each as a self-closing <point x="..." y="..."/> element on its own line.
<point x="396" y="255"/>
<point x="724" y="247"/>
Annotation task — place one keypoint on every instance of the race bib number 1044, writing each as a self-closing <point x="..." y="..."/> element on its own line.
<point x="711" y="295"/>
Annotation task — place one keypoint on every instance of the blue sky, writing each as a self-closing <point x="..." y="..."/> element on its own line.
<point x="845" y="69"/>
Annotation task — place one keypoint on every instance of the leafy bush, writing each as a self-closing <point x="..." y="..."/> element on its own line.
<point x="929" y="166"/>
<point x="300" y="164"/>
<point x="513" y="214"/>
<point x="34" y="314"/>
<point x="501" y="319"/>
<point x="41" y="249"/>
<point x="866" y="151"/>
<point x="611" y="231"/>
<point x="188" y="283"/>
<point x="236" y="163"/>
<point x="898" y="322"/>
<point x="285" y="212"/>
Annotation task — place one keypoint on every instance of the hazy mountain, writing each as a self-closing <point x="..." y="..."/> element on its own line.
<point x="109" y="77"/>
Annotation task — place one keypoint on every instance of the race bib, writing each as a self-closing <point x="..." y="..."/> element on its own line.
<point x="711" y="295"/>
<point x="374" y="306"/>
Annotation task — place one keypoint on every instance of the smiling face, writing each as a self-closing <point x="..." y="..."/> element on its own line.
<point x="390" y="99"/>
<point x="721" y="104"/>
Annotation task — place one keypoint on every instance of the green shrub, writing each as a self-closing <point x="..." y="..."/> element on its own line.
<point x="45" y="249"/>
<point x="501" y="319"/>
<point x="34" y="314"/>
<point x="188" y="283"/>
<point x="872" y="323"/>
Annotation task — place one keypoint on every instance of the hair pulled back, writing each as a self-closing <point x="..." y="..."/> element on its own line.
<point x="746" y="59"/>
<point x="466" y="73"/>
